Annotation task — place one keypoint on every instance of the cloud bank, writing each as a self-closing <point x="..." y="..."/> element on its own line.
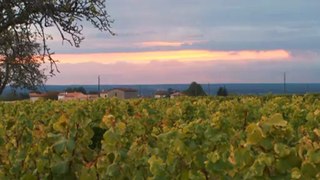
<point x="172" y="41"/>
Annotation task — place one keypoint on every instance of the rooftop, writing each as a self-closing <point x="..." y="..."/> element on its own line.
<point x="37" y="94"/>
<point x="122" y="89"/>
<point x="162" y="93"/>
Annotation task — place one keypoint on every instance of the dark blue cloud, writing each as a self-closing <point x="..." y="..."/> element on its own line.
<point x="292" y="25"/>
<point x="216" y="24"/>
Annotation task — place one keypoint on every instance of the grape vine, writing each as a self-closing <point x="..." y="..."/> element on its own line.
<point x="241" y="137"/>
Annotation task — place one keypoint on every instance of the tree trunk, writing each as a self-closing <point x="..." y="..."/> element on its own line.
<point x="2" y="88"/>
<point x="5" y="78"/>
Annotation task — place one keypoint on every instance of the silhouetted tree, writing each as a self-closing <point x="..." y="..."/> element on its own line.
<point x="20" y="62"/>
<point x="76" y="89"/>
<point x="25" y="22"/>
<point x="222" y="91"/>
<point x="195" y="89"/>
<point x="14" y="96"/>
<point x="93" y="92"/>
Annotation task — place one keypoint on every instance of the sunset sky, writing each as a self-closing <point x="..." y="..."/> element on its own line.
<point x="208" y="41"/>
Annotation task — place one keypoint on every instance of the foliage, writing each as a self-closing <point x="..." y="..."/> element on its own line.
<point x="14" y="96"/>
<point x="240" y="137"/>
<point x="222" y="91"/>
<point x="19" y="62"/>
<point x="93" y="92"/>
<point x="24" y="23"/>
<point x="76" y="89"/>
<point x="195" y="89"/>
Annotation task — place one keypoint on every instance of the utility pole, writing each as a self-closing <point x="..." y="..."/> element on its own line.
<point x="99" y="85"/>
<point x="209" y="89"/>
<point x="284" y="83"/>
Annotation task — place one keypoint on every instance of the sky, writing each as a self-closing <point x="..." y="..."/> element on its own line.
<point x="207" y="41"/>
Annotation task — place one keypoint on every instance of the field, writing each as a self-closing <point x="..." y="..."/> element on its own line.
<point x="240" y="137"/>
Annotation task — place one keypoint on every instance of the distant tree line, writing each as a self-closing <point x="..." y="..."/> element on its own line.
<point x="14" y="96"/>
<point x="76" y="89"/>
<point x="195" y="89"/>
<point x="222" y="91"/>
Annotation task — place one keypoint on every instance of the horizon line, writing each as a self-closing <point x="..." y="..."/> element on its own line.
<point x="138" y="84"/>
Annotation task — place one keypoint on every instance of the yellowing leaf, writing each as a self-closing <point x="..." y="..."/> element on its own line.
<point x="295" y="173"/>
<point x="281" y="149"/>
<point x="254" y="134"/>
<point x="317" y="132"/>
<point x="61" y="124"/>
<point x="39" y="131"/>
<point x="310" y="116"/>
<point x="276" y="120"/>
<point x="121" y="127"/>
<point x="109" y="120"/>
<point x="213" y="156"/>
<point x="155" y="164"/>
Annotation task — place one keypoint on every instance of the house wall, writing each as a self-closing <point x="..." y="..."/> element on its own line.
<point x="119" y="94"/>
<point x="128" y="95"/>
<point x="160" y="96"/>
<point x="34" y="98"/>
<point x="67" y="97"/>
<point x="157" y="96"/>
<point x="116" y="93"/>
<point x="60" y="97"/>
<point x="104" y="95"/>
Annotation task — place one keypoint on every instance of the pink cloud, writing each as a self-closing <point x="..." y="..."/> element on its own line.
<point x="179" y="72"/>
<point x="178" y="55"/>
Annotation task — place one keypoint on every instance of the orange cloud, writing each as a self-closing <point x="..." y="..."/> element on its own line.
<point x="179" y="55"/>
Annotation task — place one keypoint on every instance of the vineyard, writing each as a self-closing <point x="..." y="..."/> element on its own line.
<point x="240" y="137"/>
